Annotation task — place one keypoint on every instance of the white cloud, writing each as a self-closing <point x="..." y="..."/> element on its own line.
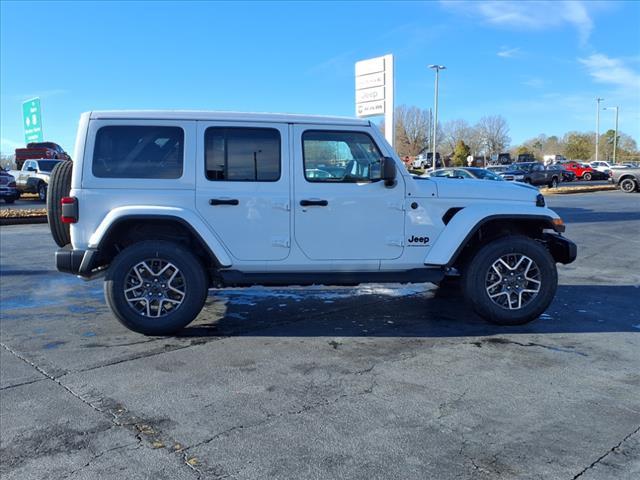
<point x="612" y="71"/>
<point x="531" y="15"/>
<point x="535" y="82"/>
<point x="506" y="52"/>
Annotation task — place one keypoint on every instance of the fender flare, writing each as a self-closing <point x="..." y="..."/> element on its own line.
<point x="469" y="220"/>
<point x="188" y="218"/>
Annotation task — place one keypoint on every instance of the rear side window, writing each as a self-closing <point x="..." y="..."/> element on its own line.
<point x="242" y="154"/>
<point x="138" y="152"/>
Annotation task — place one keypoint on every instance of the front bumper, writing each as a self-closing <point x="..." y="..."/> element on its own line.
<point x="77" y="262"/>
<point x="562" y="249"/>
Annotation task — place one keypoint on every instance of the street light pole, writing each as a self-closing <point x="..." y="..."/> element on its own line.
<point x="437" y="68"/>
<point x="615" y="138"/>
<point x="598" y="100"/>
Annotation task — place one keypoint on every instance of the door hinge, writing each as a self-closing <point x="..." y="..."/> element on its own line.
<point x="280" y="242"/>
<point x="395" y="241"/>
<point x="281" y="205"/>
<point x="397" y="205"/>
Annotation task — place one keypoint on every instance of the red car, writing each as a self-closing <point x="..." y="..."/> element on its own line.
<point x="583" y="172"/>
<point x="42" y="150"/>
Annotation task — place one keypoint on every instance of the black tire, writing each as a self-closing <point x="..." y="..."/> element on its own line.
<point x="628" y="185"/>
<point x="477" y="276"/>
<point x="527" y="180"/>
<point x="59" y="186"/>
<point x="587" y="177"/>
<point x="42" y="191"/>
<point x="194" y="283"/>
<point x="553" y="183"/>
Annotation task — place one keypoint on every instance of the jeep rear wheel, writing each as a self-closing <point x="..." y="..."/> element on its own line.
<point x="511" y="281"/>
<point x="155" y="287"/>
<point x="628" y="185"/>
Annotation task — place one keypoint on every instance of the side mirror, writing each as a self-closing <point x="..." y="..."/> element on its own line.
<point x="388" y="171"/>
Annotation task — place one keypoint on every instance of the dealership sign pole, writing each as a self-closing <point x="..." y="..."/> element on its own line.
<point x="32" y="120"/>
<point x="374" y="91"/>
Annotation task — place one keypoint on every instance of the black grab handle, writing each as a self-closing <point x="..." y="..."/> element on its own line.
<point x="222" y="201"/>
<point x="317" y="203"/>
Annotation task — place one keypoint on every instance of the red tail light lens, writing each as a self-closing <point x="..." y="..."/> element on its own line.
<point x="69" y="209"/>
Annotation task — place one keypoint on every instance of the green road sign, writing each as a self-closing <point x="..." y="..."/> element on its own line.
<point x="32" y="120"/>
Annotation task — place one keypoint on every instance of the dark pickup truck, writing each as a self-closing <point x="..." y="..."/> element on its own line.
<point x="533" y="173"/>
<point x="42" y="150"/>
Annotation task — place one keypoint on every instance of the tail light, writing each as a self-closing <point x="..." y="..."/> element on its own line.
<point x="69" y="209"/>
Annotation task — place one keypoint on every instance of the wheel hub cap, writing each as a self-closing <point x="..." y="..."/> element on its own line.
<point x="154" y="288"/>
<point x="513" y="281"/>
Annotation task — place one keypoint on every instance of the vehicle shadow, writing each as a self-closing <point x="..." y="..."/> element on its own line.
<point x="432" y="313"/>
<point x="586" y="215"/>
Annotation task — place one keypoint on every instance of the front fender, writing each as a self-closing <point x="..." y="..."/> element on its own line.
<point x="466" y="222"/>
<point x="181" y="214"/>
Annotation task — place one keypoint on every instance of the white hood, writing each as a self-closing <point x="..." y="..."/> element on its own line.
<point x="481" y="189"/>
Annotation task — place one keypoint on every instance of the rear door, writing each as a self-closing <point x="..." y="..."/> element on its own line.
<point x="242" y="187"/>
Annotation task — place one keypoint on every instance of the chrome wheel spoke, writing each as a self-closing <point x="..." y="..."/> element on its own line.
<point x="513" y="281"/>
<point x="154" y="288"/>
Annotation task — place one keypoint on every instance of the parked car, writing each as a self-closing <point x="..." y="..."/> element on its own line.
<point x="34" y="177"/>
<point x="553" y="159"/>
<point x="498" y="168"/>
<point x="582" y="171"/>
<point x="526" y="158"/>
<point x="8" y="190"/>
<point x="166" y="205"/>
<point x="567" y="175"/>
<point x="627" y="179"/>
<point x="533" y="173"/>
<point x="604" y="167"/>
<point x="466" y="172"/>
<point x="44" y="150"/>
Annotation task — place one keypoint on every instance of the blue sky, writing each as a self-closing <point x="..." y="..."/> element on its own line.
<point x="539" y="64"/>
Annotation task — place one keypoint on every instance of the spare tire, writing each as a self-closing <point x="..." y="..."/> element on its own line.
<point x="59" y="186"/>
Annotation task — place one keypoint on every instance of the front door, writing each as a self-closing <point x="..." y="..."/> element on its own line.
<point x="343" y="211"/>
<point x="242" y="187"/>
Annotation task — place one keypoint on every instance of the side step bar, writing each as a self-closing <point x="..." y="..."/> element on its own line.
<point x="235" y="278"/>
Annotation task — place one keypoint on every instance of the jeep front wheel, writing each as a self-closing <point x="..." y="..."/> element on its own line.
<point x="511" y="280"/>
<point x="155" y="287"/>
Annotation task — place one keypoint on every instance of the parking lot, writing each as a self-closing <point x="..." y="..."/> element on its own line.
<point x="371" y="382"/>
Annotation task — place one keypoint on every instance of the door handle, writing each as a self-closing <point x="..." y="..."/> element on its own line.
<point x="317" y="203"/>
<point x="223" y="201"/>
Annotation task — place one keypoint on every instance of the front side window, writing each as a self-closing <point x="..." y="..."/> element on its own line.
<point x="242" y="154"/>
<point x="127" y="151"/>
<point x="340" y="157"/>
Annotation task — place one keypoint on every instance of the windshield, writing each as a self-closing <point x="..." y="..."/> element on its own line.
<point x="485" y="174"/>
<point x="47" y="165"/>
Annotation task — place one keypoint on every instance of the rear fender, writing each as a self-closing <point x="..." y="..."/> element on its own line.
<point x="185" y="216"/>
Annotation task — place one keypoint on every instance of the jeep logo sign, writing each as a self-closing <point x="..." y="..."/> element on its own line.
<point x="418" y="241"/>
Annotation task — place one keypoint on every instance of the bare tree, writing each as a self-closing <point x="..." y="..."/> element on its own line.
<point x="494" y="133"/>
<point x="454" y="131"/>
<point x="411" y="130"/>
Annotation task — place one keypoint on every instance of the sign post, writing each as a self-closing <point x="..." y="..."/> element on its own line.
<point x="32" y="120"/>
<point x="374" y="91"/>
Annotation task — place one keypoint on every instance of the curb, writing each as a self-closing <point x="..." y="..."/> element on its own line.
<point x="23" y="220"/>
<point x="581" y="189"/>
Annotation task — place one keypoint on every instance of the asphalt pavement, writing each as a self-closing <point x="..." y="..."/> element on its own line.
<point x="370" y="382"/>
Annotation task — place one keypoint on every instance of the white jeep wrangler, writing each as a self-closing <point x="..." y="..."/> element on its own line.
<point x="169" y="204"/>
